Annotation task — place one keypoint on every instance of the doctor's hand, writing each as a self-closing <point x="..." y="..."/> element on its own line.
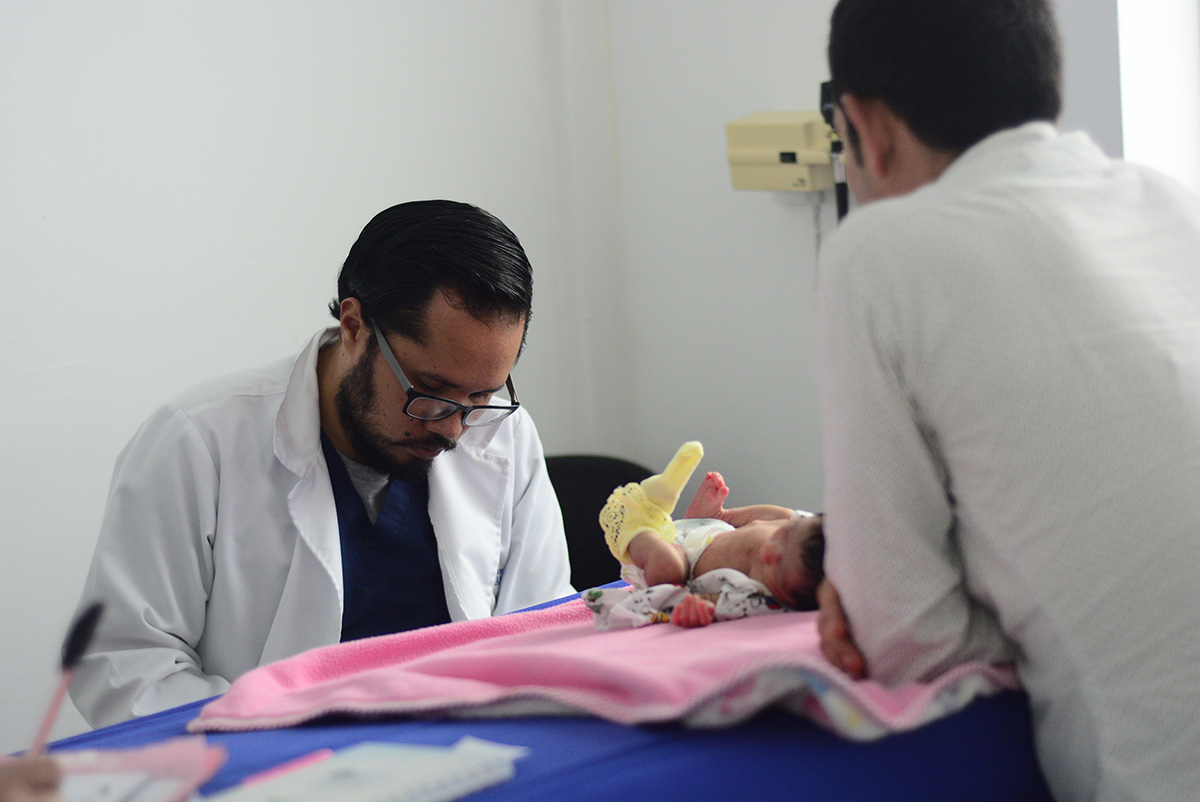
<point x="30" y="780"/>
<point x="834" y="628"/>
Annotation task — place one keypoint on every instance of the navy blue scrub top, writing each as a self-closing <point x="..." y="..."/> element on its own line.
<point x="391" y="576"/>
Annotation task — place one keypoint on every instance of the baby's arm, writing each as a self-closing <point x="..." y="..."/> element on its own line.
<point x="693" y="611"/>
<point x="662" y="563"/>
<point x="709" y="502"/>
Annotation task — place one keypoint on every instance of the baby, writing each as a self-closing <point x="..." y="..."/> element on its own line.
<point x="701" y="568"/>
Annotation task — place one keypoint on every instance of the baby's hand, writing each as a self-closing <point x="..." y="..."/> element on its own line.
<point x="693" y="611"/>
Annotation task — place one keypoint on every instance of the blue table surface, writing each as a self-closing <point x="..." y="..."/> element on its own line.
<point x="982" y="753"/>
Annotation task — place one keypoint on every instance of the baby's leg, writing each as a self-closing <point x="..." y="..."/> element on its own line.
<point x="662" y="563"/>
<point x="710" y="497"/>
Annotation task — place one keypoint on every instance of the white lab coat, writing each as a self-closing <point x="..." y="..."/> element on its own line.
<point x="220" y="551"/>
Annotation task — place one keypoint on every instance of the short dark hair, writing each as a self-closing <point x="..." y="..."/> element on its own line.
<point x="812" y="557"/>
<point x="812" y="551"/>
<point x="412" y="250"/>
<point x="956" y="71"/>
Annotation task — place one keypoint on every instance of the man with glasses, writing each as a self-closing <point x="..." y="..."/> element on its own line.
<point x="385" y="479"/>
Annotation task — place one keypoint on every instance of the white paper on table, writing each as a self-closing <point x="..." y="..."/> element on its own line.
<point x="391" y="772"/>
<point x="169" y="771"/>
<point x="102" y="786"/>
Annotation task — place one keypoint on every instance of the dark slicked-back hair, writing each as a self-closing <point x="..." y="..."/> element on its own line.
<point x="956" y="71"/>
<point x="412" y="250"/>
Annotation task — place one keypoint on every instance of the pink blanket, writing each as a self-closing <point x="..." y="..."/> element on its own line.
<point x="554" y="661"/>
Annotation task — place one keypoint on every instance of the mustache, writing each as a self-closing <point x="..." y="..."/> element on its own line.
<point x="432" y="441"/>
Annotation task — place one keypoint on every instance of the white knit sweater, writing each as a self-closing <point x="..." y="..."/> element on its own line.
<point x="1009" y="369"/>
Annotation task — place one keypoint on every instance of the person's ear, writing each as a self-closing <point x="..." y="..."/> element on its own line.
<point x="875" y="124"/>
<point x="355" y="330"/>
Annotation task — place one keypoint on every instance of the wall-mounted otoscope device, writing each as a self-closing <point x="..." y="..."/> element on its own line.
<point x="781" y="151"/>
<point x="789" y="151"/>
<point x="840" y="189"/>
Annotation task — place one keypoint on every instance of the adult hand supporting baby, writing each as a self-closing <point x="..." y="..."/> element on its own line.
<point x="837" y="642"/>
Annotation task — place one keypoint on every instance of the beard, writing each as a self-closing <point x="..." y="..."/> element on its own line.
<point x="355" y="403"/>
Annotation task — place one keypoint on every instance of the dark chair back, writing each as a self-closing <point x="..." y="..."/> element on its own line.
<point x="583" y="483"/>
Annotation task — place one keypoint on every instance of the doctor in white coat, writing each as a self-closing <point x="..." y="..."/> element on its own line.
<point x="222" y="543"/>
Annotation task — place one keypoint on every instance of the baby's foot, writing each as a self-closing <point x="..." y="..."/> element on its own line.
<point x="709" y="500"/>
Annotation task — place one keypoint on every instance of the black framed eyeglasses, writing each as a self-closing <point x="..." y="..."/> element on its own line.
<point x="423" y="406"/>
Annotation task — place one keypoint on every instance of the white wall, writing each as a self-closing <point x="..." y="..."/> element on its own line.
<point x="719" y="280"/>
<point x="1091" y="71"/>
<point x="1160" y="85"/>
<point x="179" y="183"/>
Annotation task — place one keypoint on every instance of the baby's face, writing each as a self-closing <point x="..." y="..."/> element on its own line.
<point x="783" y="564"/>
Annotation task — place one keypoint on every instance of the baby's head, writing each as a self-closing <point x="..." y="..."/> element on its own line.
<point x="793" y="561"/>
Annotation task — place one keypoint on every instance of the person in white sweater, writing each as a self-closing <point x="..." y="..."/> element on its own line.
<point x="1009" y="377"/>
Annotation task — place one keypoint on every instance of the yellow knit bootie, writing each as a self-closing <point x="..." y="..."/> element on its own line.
<point x="647" y="506"/>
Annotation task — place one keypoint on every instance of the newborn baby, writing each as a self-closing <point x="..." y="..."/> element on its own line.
<point x="701" y="568"/>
